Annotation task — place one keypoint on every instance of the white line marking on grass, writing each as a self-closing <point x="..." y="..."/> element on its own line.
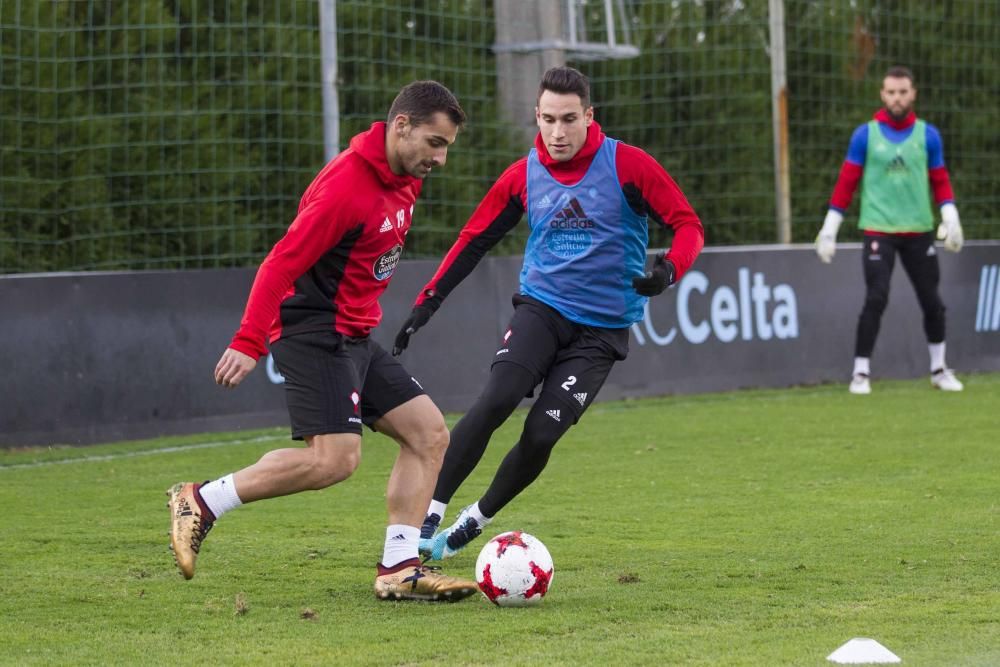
<point x="145" y="452"/>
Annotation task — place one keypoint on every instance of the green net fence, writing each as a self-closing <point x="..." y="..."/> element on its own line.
<point x="837" y="54"/>
<point x="144" y="134"/>
<point x="141" y="134"/>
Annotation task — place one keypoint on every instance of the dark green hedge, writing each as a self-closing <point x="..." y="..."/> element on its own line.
<point x="180" y="134"/>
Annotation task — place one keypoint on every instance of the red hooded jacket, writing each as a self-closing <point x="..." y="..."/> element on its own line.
<point x="330" y="268"/>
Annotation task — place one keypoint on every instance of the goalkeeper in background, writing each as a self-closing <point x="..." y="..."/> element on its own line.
<point x="899" y="161"/>
<point x="589" y="199"/>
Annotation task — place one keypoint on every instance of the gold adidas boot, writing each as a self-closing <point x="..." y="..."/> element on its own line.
<point x="421" y="582"/>
<point x="187" y="526"/>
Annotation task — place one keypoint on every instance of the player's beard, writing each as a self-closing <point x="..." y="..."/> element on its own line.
<point x="421" y="169"/>
<point x="904" y="112"/>
<point x="417" y="167"/>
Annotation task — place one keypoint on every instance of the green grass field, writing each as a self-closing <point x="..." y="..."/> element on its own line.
<point x="746" y="528"/>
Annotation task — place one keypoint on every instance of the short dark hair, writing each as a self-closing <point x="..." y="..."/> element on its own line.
<point x="899" y="72"/>
<point x="566" y="80"/>
<point x="420" y="100"/>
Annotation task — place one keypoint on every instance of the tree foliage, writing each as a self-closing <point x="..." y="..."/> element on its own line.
<point x="181" y="133"/>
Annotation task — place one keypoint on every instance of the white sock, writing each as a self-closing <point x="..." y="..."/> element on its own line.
<point x="861" y="366"/>
<point x="478" y="515"/>
<point x="400" y="544"/>
<point x="220" y="495"/>
<point x="437" y="507"/>
<point x="937" y="355"/>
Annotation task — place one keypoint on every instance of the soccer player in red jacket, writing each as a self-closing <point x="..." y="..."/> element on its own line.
<point x="898" y="160"/>
<point x="589" y="200"/>
<point x="315" y="299"/>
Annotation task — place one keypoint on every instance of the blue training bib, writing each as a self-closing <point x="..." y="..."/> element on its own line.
<point x="585" y="245"/>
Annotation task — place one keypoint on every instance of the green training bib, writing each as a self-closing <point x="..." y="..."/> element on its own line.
<point x="895" y="194"/>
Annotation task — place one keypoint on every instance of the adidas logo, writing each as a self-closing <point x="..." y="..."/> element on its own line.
<point x="397" y="538"/>
<point x="386" y="226"/>
<point x="571" y="217"/>
<point x="554" y="414"/>
<point x="545" y="203"/>
<point x="184" y="508"/>
<point x="581" y="397"/>
<point x="931" y="251"/>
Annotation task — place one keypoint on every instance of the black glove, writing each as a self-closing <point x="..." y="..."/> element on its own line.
<point x="657" y="280"/>
<point x="418" y="318"/>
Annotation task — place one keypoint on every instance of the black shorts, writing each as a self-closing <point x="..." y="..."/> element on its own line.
<point x="334" y="383"/>
<point x="572" y="359"/>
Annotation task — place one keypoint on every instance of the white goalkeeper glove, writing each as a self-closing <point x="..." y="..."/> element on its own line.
<point x="950" y="229"/>
<point x="826" y="240"/>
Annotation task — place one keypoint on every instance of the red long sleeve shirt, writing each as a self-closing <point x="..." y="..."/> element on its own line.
<point x="648" y="188"/>
<point x="335" y="261"/>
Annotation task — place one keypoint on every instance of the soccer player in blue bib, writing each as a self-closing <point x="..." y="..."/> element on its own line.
<point x="899" y="162"/>
<point x="589" y="199"/>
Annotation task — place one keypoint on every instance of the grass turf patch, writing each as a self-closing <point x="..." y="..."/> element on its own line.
<point x="744" y="528"/>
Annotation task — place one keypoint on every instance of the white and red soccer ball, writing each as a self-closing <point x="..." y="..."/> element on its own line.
<point x="514" y="570"/>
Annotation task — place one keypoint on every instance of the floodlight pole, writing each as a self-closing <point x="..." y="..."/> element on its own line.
<point x="528" y="42"/>
<point x="328" y="58"/>
<point x="779" y="121"/>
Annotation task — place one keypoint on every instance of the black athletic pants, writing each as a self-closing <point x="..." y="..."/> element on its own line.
<point x="569" y="360"/>
<point x="919" y="258"/>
